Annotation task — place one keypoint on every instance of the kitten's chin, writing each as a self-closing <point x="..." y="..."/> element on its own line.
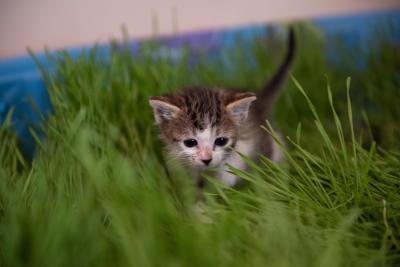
<point x="202" y="167"/>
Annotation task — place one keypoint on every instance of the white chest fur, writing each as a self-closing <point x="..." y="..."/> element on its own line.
<point x="246" y="148"/>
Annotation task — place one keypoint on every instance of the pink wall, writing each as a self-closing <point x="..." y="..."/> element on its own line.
<point x="65" y="23"/>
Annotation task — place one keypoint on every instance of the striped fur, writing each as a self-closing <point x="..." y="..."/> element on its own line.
<point x="195" y="120"/>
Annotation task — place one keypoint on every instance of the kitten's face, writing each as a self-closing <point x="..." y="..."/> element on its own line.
<point x="200" y="126"/>
<point x="203" y="148"/>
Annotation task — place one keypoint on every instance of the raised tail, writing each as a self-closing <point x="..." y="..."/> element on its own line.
<point x="267" y="96"/>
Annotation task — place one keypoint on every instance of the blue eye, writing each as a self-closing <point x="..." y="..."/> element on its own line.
<point x="221" y="141"/>
<point x="190" y="142"/>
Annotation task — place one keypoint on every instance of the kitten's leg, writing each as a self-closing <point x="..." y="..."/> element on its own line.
<point x="225" y="175"/>
<point x="276" y="152"/>
<point x="200" y="184"/>
<point x="246" y="148"/>
<point x="199" y="206"/>
<point x="228" y="178"/>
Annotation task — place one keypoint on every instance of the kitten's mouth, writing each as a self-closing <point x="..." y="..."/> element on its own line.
<point x="207" y="167"/>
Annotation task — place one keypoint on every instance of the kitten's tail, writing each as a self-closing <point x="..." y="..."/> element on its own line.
<point x="267" y="96"/>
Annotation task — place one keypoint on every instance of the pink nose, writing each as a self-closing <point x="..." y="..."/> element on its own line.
<point x="206" y="156"/>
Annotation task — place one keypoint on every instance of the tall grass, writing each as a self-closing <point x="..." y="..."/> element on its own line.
<point x="99" y="191"/>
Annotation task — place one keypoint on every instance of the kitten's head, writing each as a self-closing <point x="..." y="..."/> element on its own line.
<point x="200" y="126"/>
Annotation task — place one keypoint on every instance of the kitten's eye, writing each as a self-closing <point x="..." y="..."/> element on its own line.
<point x="221" y="141"/>
<point x="190" y="142"/>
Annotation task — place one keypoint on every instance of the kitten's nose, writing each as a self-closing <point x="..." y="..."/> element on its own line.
<point x="206" y="161"/>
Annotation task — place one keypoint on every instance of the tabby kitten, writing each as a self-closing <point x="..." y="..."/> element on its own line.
<point x="206" y="127"/>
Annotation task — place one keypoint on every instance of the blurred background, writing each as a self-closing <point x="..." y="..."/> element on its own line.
<point x="64" y="24"/>
<point x="207" y="29"/>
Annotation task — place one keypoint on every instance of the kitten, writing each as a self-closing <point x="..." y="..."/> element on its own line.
<point x="205" y="127"/>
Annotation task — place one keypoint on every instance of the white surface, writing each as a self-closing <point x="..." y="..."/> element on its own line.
<point x="65" y="23"/>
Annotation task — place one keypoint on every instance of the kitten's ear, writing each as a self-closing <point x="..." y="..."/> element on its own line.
<point x="163" y="109"/>
<point x="239" y="106"/>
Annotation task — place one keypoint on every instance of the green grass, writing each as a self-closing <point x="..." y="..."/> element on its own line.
<point x="99" y="192"/>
